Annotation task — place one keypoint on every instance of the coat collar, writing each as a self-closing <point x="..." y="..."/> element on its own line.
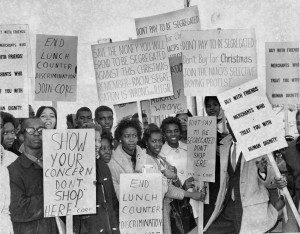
<point x="26" y="162"/>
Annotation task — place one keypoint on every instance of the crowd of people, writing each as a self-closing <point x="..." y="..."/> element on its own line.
<point x="245" y="197"/>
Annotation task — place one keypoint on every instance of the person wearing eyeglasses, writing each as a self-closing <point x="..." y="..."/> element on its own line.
<point x="26" y="184"/>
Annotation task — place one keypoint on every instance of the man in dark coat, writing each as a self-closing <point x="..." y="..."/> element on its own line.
<point x="26" y="184"/>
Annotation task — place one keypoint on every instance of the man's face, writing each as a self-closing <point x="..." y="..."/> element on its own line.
<point x="33" y="133"/>
<point x="105" y="119"/>
<point x="8" y="135"/>
<point x="83" y="118"/>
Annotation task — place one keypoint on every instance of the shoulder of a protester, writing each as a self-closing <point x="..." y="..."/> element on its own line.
<point x="10" y="157"/>
<point x="182" y="145"/>
<point x="165" y="150"/>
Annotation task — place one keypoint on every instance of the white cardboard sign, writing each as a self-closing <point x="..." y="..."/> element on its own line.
<point x="14" y="46"/>
<point x="201" y="146"/>
<point x="132" y="70"/>
<point x="254" y="123"/>
<point x="283" y="73"/>
<point x="169" y="24"/>
<point x="217" y="60"/>
<point x="69" y="172"/>
<point x="141" y="202"/>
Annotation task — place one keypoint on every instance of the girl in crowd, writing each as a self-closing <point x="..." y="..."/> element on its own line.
<point x="183" y="117"/>
<point x="106" y="219"/>
<point x="153" y="138"/>
<point x="123" y="160"/>
<point x="175" y="153"/>
<point x="9" y="127"/>
<point x="48" y="115"/>
<point x="105" y="150"/>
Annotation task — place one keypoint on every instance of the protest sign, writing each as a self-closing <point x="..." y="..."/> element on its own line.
<point x="169" y="24"/>
<point x="201" y="145"/>
<point x="282" y="73"/>
<point x="69" y="172"/>
<point x="141" y="203"/>
<point x="176" y="103"/>
<point x="125" y="110"/>
<point x="254" y="123"/>
<point x="132" y="70"/>
<point x="217" y="60"/>
<point x="56" y="68"/>
<point x="14" y="48"/>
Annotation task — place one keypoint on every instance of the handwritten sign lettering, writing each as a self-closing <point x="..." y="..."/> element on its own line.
<point x="132" y="70"/>
<point x="141" y="203"/>
<point x="169" y="24"/>
<point x="56" y="68"/>
<point x="13" y="69"/>
<point x="217" y="60"/>
<point x="201" y="142"/>
<point x="69" y="172"/>
<point x="176" y="103"/>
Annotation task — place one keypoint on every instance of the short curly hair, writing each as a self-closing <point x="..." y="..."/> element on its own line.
<point x="170" y="120"/>
<point x="8" y="118"/>
<point x="152" y="128"/>
<point x="126" y="123"/>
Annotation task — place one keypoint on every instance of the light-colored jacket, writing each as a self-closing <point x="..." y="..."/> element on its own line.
<point x="258" y="214"/>
<point x="172" y="191"/>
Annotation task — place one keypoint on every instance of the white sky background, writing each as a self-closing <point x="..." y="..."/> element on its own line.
<point x="90" y="20"/>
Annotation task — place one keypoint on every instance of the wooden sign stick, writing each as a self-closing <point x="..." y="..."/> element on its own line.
<point x="140" y="113"/>
<point x="285" y="190"/>
<point x="201" y="213"/>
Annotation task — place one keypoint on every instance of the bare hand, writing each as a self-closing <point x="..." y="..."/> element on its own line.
<point x="170" y="174"/>
<point x="262" y="165"/>
<point x="199" y="196"/>
<point x="189" y="183"/>
<point x="280" y="182"/>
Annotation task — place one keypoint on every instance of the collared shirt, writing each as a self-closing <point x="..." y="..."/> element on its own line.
<point x="34" y="159"/>
<point x="176" y="157"/>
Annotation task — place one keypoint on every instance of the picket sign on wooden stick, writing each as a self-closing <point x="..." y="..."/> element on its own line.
<point x="201" y="213"/>
<point x="140" y="113"/>
<point x="285" y="190"/>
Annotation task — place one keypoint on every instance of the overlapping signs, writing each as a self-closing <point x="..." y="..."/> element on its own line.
<point x="69" y="172"/>
<point x="169" y="24"/>
<point x="254" y="123"/>
<point x="132" y="70"/>
<point x="14" y="46"/>
<point x="217" y="60"/>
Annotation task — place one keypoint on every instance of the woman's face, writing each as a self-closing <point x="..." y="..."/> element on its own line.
<point x="48" y="117"/>
<point x="97" y="142"/>
<point x="183" y="120"/>
<point x="154" y="143"/>
<point x="212" y="108"/>
<point x="129" y="139"/>
<point x="105" y="150"/>
<point x="172" y="134"/>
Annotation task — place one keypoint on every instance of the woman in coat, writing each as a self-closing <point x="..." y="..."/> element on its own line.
<point x="153" y="140"/>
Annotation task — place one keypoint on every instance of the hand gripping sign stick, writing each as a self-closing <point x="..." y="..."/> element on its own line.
<point x="285" y="190"/>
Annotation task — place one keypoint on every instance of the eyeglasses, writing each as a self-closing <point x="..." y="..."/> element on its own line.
<point x="13" y="132"/>
<point x="31" y="131"/>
